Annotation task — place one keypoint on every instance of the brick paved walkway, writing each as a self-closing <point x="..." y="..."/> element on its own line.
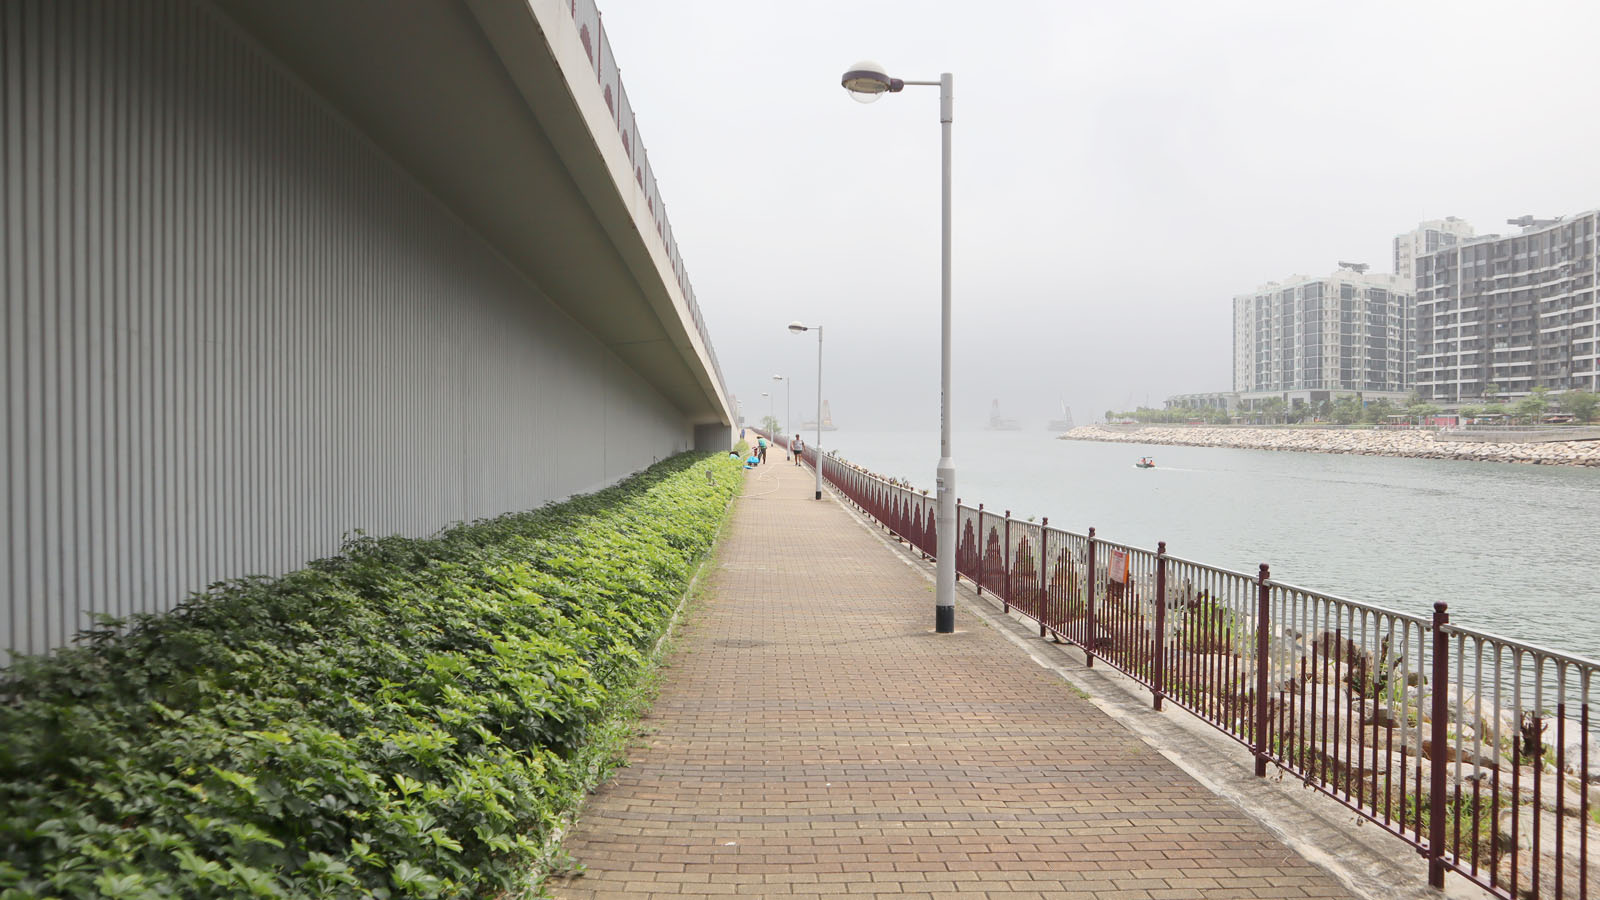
<point x="814" y="737"/>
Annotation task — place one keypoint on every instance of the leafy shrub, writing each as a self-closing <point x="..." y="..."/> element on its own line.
<point x="402" y="720"/>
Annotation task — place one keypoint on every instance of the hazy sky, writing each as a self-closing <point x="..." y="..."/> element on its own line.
<point x="1122" y="170"/>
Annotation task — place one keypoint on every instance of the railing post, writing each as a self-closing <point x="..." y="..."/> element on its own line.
<point x="1043" y="568"/>
<point x="1088" y="641"/>
<point x="979" y="544"/>
<point x="1263" y="652"/>
<point x="1438" y="760"/>
<point x="1005" y="600"/>
<point x="1158" y="673"/>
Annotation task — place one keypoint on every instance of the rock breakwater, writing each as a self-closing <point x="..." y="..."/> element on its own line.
<point x="1414" y="444"/>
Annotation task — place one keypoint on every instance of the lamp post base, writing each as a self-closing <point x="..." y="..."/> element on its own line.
<point x="945" y="543"/>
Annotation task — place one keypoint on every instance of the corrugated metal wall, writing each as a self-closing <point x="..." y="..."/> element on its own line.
<point x="234" y="331"/>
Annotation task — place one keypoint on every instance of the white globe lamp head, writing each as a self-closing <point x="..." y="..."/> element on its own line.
<point x="867" y="81"/>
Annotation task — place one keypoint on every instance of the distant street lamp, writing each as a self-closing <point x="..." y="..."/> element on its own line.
<point x="771" y="417"/>
<point x="799" y="328"/>
<point x="866" y="81"/>
<point x="788" y="404"/>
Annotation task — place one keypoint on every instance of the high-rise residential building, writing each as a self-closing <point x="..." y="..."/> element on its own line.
<point x="1427" y="237"/>
<point x="1310" y="339"/>
<point x="1514" y="311"/>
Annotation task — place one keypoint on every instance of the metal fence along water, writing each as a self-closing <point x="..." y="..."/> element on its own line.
<point x="1473" y="748"/>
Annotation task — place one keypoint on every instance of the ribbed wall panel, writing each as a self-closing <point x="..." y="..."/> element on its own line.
<point x="234" y="331"/>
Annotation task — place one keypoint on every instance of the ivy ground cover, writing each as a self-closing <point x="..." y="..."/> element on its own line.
<point x="406" y="719"/>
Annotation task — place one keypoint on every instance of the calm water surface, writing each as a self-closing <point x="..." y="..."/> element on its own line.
<point x="1511" y="548"/>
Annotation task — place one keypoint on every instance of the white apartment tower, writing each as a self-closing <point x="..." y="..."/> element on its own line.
<point x="1309" y="339"/>
<point x="1517" y="312"/>
<point x="1427" y="237"/>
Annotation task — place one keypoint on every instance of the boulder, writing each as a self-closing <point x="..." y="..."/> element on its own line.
<point x="1513" y="830"/>
<point x="1375" y="715"/>
<point x="1572" y="758"/>
<point x="1478" y="758"/>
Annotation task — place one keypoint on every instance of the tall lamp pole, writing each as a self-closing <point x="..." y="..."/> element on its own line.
<point x="799" y="328"/>
<point x="788" y="405"/>
<point x="770" y="414"/>
<point x="866" y="81"/>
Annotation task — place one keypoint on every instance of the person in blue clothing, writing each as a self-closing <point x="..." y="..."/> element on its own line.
<point x="761" y="448"/>
<point x="753" y="461"/>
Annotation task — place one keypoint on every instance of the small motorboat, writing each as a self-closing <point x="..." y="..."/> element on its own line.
<point x="1145" y="462"/>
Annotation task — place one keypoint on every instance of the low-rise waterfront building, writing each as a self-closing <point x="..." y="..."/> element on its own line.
<point x="1308" y="339"/>
<point x="1516" y="312"/>
<point x="1227" y="401"/>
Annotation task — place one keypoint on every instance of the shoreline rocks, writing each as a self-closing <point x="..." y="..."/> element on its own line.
<point x="1409" y="444"/>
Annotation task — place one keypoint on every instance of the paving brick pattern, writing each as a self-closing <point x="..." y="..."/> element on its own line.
<point x="813" y="737"/>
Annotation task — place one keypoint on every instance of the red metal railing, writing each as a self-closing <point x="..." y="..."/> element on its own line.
<point x="1474" y="748"/>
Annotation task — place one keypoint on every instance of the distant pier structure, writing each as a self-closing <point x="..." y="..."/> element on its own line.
<point x="827" y="420"/>
<point x="998" y="422"/>
<point x="1065" y="422"/>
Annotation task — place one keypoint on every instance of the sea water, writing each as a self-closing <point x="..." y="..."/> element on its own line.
<point x="1513" y="549"/>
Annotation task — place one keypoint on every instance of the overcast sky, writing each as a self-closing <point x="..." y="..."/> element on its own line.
<point x="1121" y="171"/>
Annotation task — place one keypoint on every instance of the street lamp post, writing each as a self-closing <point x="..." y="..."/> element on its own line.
<point x="770" y="414"/>
<point x="788" y="405"/>
<point x="866" y="81"/>
<point x="799" y="328"/>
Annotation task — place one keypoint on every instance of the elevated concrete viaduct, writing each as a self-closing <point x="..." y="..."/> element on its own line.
<point x="274" y="272"/>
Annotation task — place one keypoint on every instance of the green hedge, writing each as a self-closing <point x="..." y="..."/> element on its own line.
<point x="403" y="720"/>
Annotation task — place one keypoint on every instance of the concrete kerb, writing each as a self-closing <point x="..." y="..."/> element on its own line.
<point x="1367" y="861"/>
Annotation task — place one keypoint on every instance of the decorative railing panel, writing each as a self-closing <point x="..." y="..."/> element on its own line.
<point x="1210" y="642"/>
<point x="1022" y="575"/>
<point x="1068" y="611"/>
<point x="1520" y="765"/>
<point x="1347" y="690"/>
<point x="991" y="549"/>
<point x="968" y="531"/>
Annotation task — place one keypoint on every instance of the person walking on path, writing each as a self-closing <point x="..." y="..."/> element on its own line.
<point x="799" y="449"/>
<point x="761" y="448"/>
